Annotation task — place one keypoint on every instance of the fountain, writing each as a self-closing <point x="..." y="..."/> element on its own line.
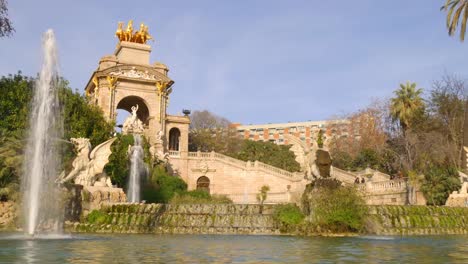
<point x="41" y="162"/>
<point x="137" y="169"/>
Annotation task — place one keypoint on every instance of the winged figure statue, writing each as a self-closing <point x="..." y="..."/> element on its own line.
<point x="305" y="155"/>
<point x="88" y="166"/>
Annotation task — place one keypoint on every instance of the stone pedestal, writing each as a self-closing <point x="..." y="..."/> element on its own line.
<point x="94" y="197"/>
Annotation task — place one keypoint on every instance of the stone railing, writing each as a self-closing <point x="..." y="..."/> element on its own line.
<point x="342" y="175"/>
<point x="390" y="186"/>
<point x="246" y="165"/>
<point x="173" y="153"/>
<point x="272" y="197"/>
<point x="229" y="159"/>
<point x="387" y="186"/>
<point x="269" y="168"/>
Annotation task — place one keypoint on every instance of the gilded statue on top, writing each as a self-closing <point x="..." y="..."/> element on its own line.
<point x="141" y="36"/>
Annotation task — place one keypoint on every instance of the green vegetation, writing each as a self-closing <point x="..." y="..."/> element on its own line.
<point x="438" y="183"/>
<point x="263" y="194"/>
<point x="118" y="166"/>
<point x="456" y="10"/>
<point x="406" y="105"/>
<point x="340" y="209"/>
<point x="161" y="187"/>
<point x="288" y="217"/>
<point x="80" y="120"/>
<point x="97" y="217"/>
<point x="411" y="135"/>
<point x="198" y="197"/>
<point x="320" y="139"/>
<point x="267" y="152"/>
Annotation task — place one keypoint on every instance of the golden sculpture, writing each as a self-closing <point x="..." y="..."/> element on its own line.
<point x="161" y="87"/>
<point x="141" y="36"/>
<point x="112" y="82"/>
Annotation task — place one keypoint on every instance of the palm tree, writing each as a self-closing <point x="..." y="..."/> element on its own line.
<point x="406" y="104"/>
<point x="455" y="9"/>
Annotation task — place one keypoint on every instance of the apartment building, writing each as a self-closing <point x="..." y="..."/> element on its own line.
<point x="306" y="131"/>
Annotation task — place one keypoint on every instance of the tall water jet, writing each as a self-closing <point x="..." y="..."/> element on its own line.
<point x="137" y="169"/>
<point x="41" y="157"/>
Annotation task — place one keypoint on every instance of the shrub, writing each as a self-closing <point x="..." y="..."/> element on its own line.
<point x="199" y="197"/>
<point x="337" y="209"/>
<point x="288" y="217"/>
<point x="438" y="183"/>
<point x="97" y="217"/>
<point x="161" y="186"/>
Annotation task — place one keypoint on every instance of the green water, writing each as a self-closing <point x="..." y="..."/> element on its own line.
<point x="232" y="249"/>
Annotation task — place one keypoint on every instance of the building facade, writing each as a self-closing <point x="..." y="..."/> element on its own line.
<point x="307" y="132"/>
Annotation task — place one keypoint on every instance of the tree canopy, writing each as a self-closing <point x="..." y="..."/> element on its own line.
<point x="80" y="120"/>
<point x="6" y="27"/>
<point x="457" y="11"/>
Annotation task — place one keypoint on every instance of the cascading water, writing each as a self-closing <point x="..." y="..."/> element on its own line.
<point x="137" y="169"/>
<point x="41" y="207"/>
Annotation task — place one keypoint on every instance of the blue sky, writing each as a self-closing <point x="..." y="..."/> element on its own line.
<point x="253" y="61"/>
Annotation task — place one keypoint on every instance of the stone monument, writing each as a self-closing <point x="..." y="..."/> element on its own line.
<point x="132" y="124"/>
<point x="88" y="171"/>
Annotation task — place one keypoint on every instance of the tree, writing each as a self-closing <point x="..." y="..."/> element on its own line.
<point x="6" y="28"/>
<point x="16" y="91"/>
<point x="267" y="152"/>
<point x="263" y="193"/>
<point x="366" y="141"/>
<point x="406" y="105"/>
<point x="404" y="109"/>
<point x="447" y="106"/>
<point x="210" y="132"/>
<point x="80" y="120"/>
<point x="11" y="158"/>
<point x="438" y="183"/>
<point x="456" y="10"/>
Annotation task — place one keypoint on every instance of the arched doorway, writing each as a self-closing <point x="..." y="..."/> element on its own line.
<point x="203" y="184"/>
<point x="174" y="138"/>
<point x="126" y="104"/>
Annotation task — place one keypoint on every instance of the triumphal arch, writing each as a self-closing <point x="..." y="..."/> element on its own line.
<point x="128" y="79"/>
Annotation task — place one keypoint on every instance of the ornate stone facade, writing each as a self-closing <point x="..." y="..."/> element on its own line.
<point x="126" y="79"/>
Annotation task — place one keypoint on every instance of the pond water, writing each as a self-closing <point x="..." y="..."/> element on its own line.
<point x="232" y="249"/>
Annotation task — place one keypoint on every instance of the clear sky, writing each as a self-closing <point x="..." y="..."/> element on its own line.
<point x="253" y="61"/>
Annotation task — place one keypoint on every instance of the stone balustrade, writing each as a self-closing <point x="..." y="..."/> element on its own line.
<point x="342" y="175"/>
<point x="173" y="153"/>
<point x="247" y="165"/>
<point x="387" y="186"/>
<point x="272" y="197"/>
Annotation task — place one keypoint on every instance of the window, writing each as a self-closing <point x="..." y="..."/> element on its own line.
<point x="174" y="137"/>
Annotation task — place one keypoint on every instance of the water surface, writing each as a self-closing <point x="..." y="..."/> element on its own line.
<point x="232" y="249"/>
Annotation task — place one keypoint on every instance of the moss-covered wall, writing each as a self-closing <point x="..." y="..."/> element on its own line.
<point x="252" y="219"/>
<point x="180" y="219"/>
<point x="417" y="220"/>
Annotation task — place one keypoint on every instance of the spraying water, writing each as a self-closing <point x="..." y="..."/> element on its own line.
<point x="137" y="169"/>
<point x="41" y="157"/>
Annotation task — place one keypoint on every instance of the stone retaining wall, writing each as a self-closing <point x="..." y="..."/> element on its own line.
<point x="417" y="220"/>
<point x="182" y="219"/>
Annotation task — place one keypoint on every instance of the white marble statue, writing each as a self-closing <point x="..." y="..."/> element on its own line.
<point x="132" y="124"/>
<point x="305" y="155"/>
<point x="88" y="166"/>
